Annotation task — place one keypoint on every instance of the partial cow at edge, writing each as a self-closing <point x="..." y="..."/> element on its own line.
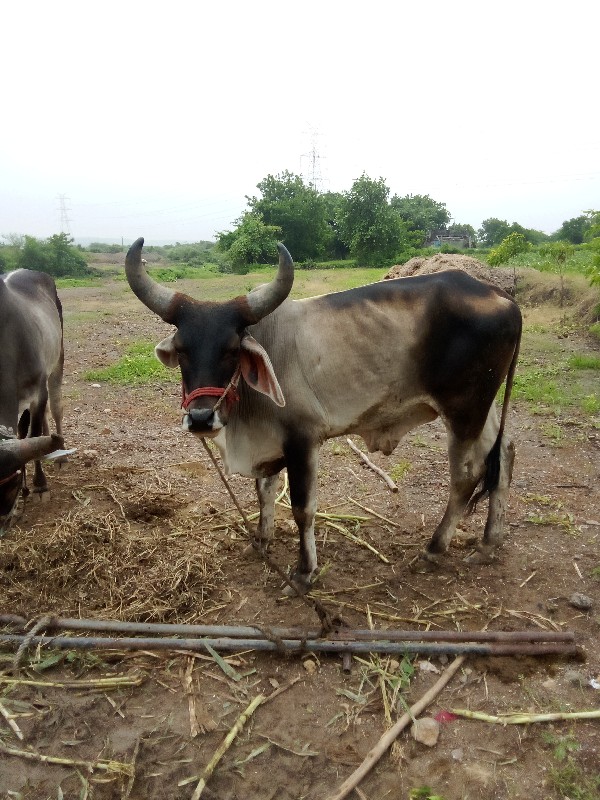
<point x="31" y="369"/>
<point x="269" y="379"/>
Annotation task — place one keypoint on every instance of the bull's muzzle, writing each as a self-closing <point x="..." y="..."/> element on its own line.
<point x="202" y="422"/>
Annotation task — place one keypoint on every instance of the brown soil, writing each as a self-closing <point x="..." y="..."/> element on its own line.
<point x="503" y="278"/>
<point x="139" y="527"/>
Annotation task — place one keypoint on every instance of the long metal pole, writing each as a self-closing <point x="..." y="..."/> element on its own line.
<point x="266" y="631"/>
<point x="294" y="645"/>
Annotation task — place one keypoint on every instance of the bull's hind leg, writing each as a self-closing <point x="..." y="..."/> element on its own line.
<point x="37" y="412"/>
<point x="55" y="397"/>
<point x="498" y="502"/>
<point x="467" y="467"/>
<point x="266" y="489"/>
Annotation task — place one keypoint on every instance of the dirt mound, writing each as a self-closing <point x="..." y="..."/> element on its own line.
<point x="441" y="261"/>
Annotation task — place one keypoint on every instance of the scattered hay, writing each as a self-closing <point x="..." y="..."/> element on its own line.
<point x="101" y="563"/>
<point x="503" y="278"/>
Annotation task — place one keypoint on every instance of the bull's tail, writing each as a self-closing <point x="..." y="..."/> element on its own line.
<point x="491" y="475"/>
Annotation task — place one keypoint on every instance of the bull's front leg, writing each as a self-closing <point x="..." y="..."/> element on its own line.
<point x="302" y="458"/>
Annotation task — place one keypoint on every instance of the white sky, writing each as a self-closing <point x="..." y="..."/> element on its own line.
<point x="156" y="119"/>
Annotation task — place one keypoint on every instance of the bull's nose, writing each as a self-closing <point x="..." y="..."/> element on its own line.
<point x="200" y="419"/>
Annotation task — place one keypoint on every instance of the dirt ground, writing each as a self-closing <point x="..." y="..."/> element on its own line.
<point x="139" y="527"/>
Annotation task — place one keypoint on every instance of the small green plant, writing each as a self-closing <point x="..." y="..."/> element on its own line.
<point x="423" y="793"/>
<point x="137" y="366"/>
<point x="400" y="470"/>
<point x="568" y="777"/>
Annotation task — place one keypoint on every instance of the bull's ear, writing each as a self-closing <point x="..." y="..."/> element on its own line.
<point x="257" y="370"/>
<point x="166" y="353"/>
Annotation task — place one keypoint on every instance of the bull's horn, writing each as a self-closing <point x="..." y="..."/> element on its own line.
<point x="265" y="299"/>
<point x="20" y="451"/>
<point x="158" y="298"/>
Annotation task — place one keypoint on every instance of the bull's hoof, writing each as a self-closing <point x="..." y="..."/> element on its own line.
<point x="42" y="493"/>
<point x="480" y="556"/>
<point x="300" y="584"/>
<point x="256" y="546"/>
<point x="425" y="562"/>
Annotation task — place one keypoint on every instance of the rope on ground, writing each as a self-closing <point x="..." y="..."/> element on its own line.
<point x="328" y="623"/>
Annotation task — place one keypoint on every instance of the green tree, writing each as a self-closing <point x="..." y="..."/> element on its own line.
<point x="493" y="231"/>
<point x="559" y="253"/>
<point x="298" y="210"/>
<point x="573" y="230"/>
<point x="421" y="213"/>
<point x="513" y="244"/>
<point x="252" y="242"/>
<point x="334" y="204"/>
<point x="372" y="230"/>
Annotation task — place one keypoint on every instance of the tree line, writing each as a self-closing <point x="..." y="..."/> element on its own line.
<point x="365" y="225"/>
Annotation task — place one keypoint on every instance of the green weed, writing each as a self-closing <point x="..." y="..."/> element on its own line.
<point x="137" y="366"/>
<point x="568" y="777"/>
<point x="400" y="470"/>
<point x="423" y="793"/>
<point x="565" y="521"/>
<point x="584" y="362"/>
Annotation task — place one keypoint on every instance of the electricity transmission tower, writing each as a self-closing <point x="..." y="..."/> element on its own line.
<point x="312" y="170"/>
<point x="64" y="215"/>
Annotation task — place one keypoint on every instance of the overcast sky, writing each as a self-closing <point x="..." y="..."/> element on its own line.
<point x="157" y="119"/>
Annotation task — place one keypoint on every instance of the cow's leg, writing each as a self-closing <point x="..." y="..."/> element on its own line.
<point x="55" y="397"/>
<point x="302" y="458"/>
<point x="467" y="461"/>
<point x="37" y="411"/>
<point x="498" y="502"/>
<point x="266" y="489"/>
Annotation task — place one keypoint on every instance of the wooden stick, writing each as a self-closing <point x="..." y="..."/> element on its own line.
<point x="8" y="717"/>
<point x="373" y="466"/>
<point x="223" y="748"/>
<point x="389" y="736"/>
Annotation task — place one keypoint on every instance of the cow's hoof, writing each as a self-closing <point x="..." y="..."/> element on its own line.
<point x="300" y="584"/>
<point x="425" y="562"/>
<point x="42" y="494"/>
<point x="479" y="557"/>
<point x="256" y="546"/>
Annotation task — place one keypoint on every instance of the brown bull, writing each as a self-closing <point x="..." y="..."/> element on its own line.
<point x="270" y="379"/>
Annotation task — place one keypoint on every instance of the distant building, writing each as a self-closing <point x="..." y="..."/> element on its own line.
<point x="440" y="238"/>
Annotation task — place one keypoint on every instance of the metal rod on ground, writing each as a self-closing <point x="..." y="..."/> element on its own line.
<point x="264" y="631"/>
<point x="296" y="645"/>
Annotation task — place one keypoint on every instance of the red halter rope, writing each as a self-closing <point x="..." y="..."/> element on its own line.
<point x="229" y="393"/>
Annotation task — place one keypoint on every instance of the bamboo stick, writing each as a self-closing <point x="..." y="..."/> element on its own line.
<point x="223" y="748"/>
<point x="391" y="735"/>
<point x="522" y="718"/>
<point x="107" y="765"/>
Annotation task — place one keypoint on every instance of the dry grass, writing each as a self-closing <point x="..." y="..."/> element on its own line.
<point x="113" y="563"/>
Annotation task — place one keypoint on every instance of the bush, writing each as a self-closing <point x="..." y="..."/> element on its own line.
<point x="510" y="246"/>
<point x="55" y="255"/>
